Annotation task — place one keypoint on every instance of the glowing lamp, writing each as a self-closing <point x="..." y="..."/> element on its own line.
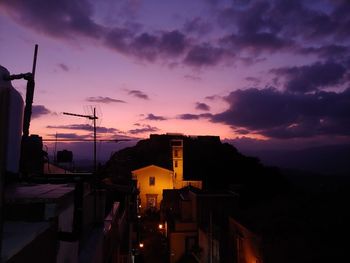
<point x="160" y="226"/>
<point x="141" y="245"/>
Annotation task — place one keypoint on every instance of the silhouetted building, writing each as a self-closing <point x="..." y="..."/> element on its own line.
<point x="197" y="224"/>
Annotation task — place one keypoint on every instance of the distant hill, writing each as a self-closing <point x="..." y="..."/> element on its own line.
<point x="205" y="157"/>
<point x="332" y="159"/>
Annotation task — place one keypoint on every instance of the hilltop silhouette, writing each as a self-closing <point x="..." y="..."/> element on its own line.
<point x="206" y="158"/>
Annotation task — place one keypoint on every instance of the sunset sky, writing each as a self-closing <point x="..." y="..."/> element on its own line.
<point x="277" y="71"/>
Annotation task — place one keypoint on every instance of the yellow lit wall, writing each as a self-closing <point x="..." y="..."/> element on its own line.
<point x="177" y="154"/>
<point x="163" y="179"/>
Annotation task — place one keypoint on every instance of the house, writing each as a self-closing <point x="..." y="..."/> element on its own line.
<point x="196" y="223"/>
<point x="179" y="214"/>
<point x="153" y="179"/>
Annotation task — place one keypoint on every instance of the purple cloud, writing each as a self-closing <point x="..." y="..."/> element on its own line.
<point x="202" y="106"/>
<point x="64" y="19"/>
<point x="153" y="117"/>
<point x="39" y="110"/>
<point x="173" y="43"/>
<point x="64" y="67"/>
<point x="106" y="100"/>
<point x="197" y="26"/>
<point x="312" y="77"/>
<point x="255" y="27"/>
<point x="192" y="77"/>
<point x="213" y="97"/>
<point x="327" y="51"/>
<point x="138" y="94"/>
<point x="144" y="129"/>
<point x="146" y="45"/>
<point x="83" y="127"/>
<point x="204" y="55"/>
<point x="73" y="136"/>
<point x="278" y="114"/>
<point x="189" y="116"/>
<point x="256" y="42"/>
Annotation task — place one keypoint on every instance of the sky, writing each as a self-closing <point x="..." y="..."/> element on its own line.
<point x="271" y="74"/>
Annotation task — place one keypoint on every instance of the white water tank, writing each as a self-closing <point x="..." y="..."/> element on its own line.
<point x="11" y="121"/>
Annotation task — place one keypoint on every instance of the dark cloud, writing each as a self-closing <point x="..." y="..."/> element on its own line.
<point x="189" y="116"/>
<point x="70" y="18"/>
<point x="70" y="136"/>
<point x="106" y="100"/>
<point x="138" y="94"/>
<point x="64" y="18"/>
<point x="327" y="51"/>
<point x="153" y="117"/>
<point x="144" y="129"/>
<point x="204" y="55"/>
<point x="64" y="67"/>
<point x="252" y="28"/>
<point x="144" y="46"/>
<point x="39" y="110"/>
<point x="286" y="115"/>
<point x="118" y="39"/>
<point x="284" y="25"/>
<point x="257" y="42"/>
<point x="83" y="127"/>
<point x="255" y="80"/>
<point x="213" y="97"/>
<point x="192" y="77"/>
<point x="312" y="77"/>
<point x="147" y="46"/>
<point x="172" y="43"/>
<point x="202" y="106"/>
<point x="242" y="131"/>
<point x="197" y="26"/>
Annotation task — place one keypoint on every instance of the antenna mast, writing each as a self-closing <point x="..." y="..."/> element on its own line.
<point x="90" y="117"/>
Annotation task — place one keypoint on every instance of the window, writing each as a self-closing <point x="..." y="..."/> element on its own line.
<point x="176" y="153"/>
<point x="175" y="164"/>
<point x="152" y="180"/>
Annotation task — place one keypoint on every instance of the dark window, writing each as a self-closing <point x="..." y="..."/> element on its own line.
<point x="175" y="164"/>
<point x="152" y="181"/>
<point x="176" y="153"/>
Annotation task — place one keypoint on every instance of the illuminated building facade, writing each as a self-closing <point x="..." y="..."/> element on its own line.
<point x="152" y="179"/>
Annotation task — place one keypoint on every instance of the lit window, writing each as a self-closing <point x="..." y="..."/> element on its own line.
<point x="152" y="181"/>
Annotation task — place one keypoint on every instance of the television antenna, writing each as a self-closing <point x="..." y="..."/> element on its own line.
<point x="93" y="118"/>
